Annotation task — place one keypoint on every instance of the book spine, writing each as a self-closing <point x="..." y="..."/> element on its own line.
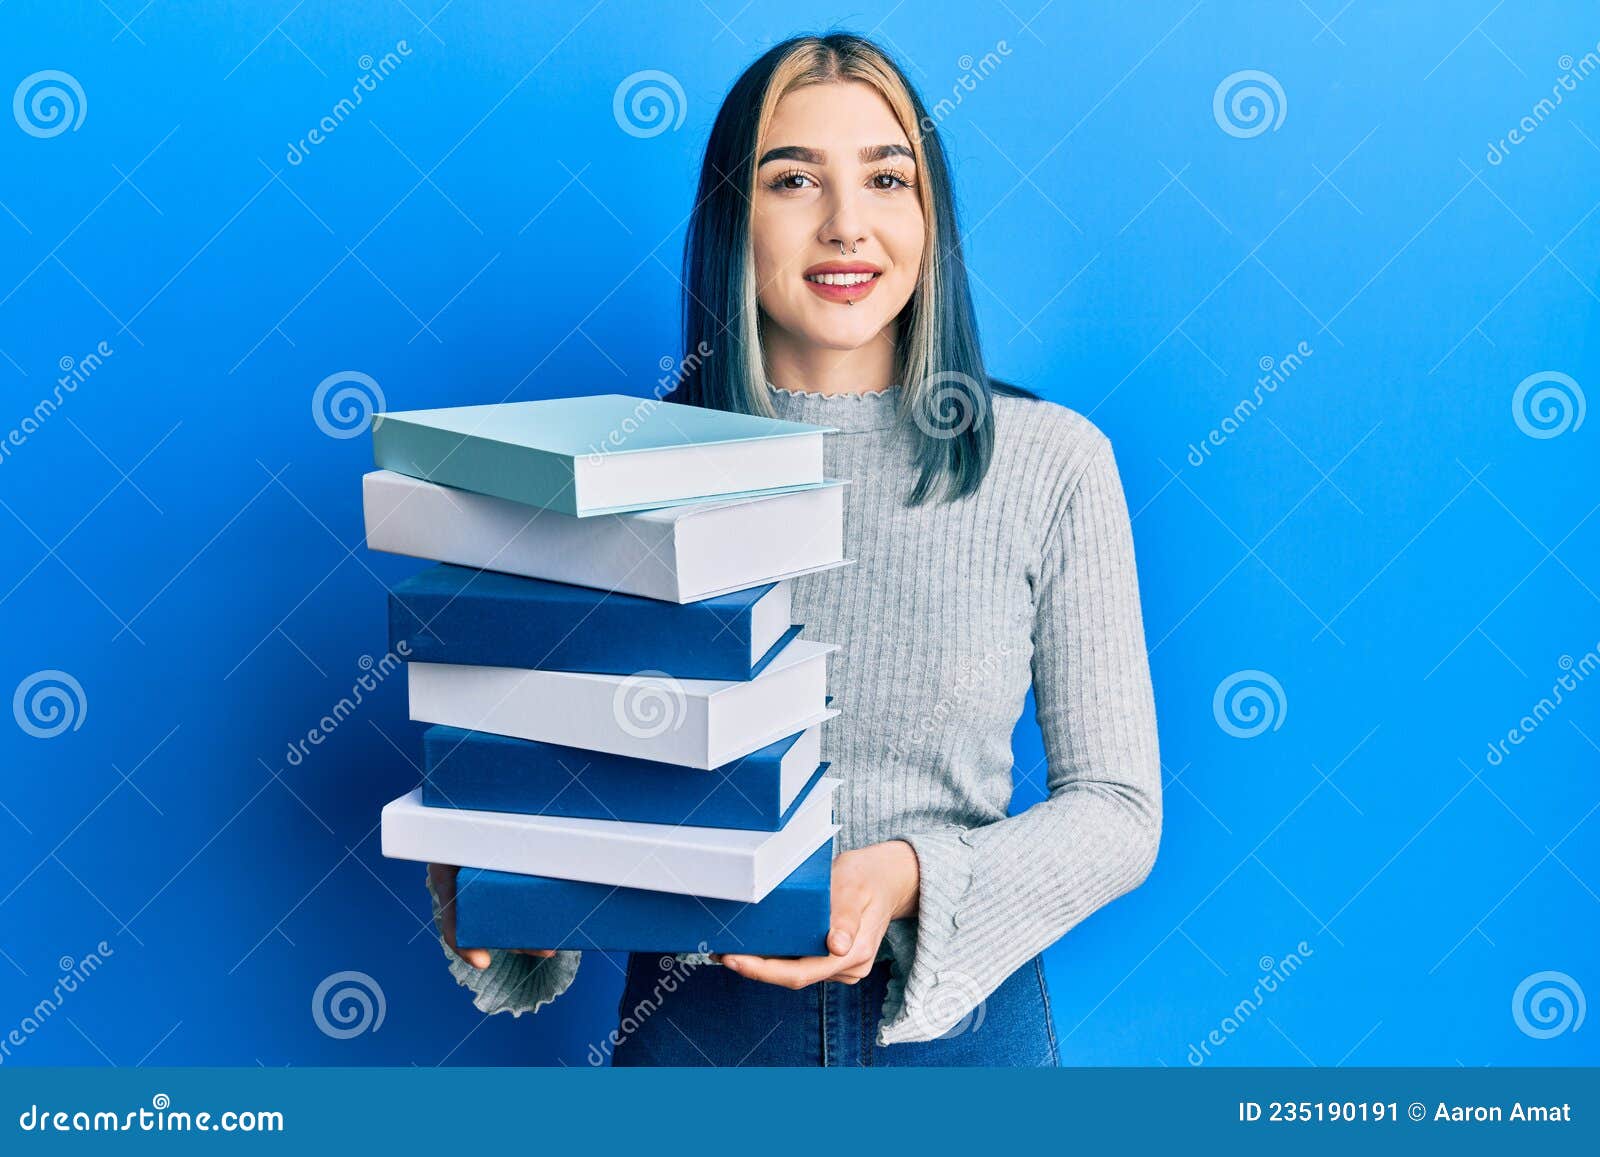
<point x="466" y="769"/>
<point x="504" y="910"/>
<point x="601" y="637"/>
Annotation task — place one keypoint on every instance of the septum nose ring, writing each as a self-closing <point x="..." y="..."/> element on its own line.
<point x="853" y="244"/>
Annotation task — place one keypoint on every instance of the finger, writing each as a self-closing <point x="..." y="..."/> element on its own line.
<point x="477" y="957"/>
<point x="787" y="973"/>
<point x="846" y="926"/>
<point x="543" y="952"/>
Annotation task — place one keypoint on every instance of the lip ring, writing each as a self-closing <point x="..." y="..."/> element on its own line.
<point x="843" y="293"/>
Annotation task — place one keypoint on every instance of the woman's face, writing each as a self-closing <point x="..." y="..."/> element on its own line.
<point x="835" y="166"/>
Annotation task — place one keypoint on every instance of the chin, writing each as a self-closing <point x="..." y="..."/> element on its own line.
<point x="844" y="333"/>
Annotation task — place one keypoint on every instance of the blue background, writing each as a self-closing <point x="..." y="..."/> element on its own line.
<point x="1381" y="536"/>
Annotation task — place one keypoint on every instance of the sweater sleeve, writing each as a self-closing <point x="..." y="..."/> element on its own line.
<point x="513" y="982"/>
<point x="994" y="896"/>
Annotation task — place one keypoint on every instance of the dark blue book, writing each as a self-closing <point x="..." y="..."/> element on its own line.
<point x="505" y="910"/>
<point x="455" y="614"/>
<point x="477" y="770"/>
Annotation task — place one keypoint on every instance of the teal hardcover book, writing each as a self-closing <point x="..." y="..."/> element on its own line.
<point x="603" y="454"/>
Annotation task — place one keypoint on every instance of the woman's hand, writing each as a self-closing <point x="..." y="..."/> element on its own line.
<point x="871" y="886"/>
<point x="443" y="879"/>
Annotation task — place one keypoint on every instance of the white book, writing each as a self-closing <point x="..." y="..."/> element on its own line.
<point x="718" y="863"/>
<point x="701" y="723"/>
<point x="680" y="554"/>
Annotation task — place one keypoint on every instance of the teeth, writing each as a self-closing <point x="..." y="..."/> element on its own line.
<point x="841" y="278"/>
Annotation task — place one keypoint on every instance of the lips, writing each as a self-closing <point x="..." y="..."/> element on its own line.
<point x="842" y="281"/>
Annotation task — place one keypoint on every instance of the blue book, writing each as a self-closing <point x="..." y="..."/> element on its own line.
<point x="455" y="614"/>
<point x="505" y="910"/>
<point x="600" y="455"/>
<point x="482" y="772"/>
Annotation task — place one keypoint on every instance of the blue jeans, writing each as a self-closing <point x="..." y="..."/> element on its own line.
<point x="700" y="1015"/>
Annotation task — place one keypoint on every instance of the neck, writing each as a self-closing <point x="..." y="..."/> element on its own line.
<point x="809" y="368"/>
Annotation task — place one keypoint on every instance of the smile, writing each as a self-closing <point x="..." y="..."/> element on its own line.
<point x="838" y="282"/>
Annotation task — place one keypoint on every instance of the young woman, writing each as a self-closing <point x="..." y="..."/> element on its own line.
<point x="993" y="550"/>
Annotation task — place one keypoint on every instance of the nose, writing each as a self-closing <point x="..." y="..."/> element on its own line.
<point x="845" y="225"/>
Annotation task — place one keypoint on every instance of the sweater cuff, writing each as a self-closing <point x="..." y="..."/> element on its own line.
<point x="933" y="997"/>
<point x="513" y="982"/>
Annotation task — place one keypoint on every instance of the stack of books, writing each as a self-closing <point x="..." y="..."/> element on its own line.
<point x="625" y="750"/>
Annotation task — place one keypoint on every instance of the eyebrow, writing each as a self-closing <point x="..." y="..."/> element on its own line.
<point x="868" y="155"/>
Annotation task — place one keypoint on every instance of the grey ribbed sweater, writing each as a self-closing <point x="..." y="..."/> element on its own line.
<point x="948" y="614"/>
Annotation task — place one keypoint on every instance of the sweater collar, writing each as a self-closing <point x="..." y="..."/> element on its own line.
<point x="847" y="413"/>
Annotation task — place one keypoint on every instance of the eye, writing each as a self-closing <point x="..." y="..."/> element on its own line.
<point x="785" y="182"/>
<point x="887" y="180"/>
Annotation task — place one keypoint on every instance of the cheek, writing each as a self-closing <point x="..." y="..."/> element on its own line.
<point x="777" y="245"/>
